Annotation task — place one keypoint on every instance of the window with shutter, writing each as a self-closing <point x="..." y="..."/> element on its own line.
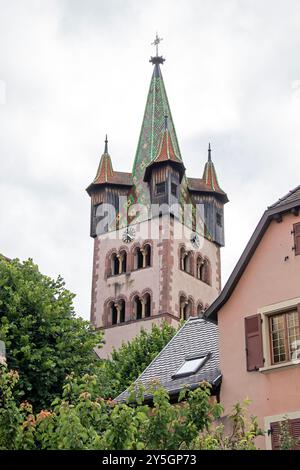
<point x="297" y="238"/>
<point x="254" y="345"/>
<point x="294" y="431"/>
<point x="275" y="433"/>
<point x="285" y="336"/>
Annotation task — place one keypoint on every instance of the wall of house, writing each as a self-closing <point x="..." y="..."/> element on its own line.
<point x="270" y="282"/>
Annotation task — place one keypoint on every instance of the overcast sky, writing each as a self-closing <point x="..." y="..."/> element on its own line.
<point x="72" y="70"/>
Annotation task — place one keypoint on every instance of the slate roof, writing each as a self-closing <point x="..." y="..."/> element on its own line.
<point x="196" y="337"/>
<point x="291" y="196"/>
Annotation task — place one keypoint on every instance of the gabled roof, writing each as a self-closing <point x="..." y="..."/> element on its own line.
<point x="288" y="203"/>
<point x="195" y="338"/>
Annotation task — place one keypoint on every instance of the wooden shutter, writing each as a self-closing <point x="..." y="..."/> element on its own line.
<point x="295" y="431"/>
<point x="297" y="238"/>
<point x="275" y="432"/>
<point x="254" y="346"/>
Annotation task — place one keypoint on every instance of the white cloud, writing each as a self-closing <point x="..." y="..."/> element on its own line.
<point x="75" y="70"/>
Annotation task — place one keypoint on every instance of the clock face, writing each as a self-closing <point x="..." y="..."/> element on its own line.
<point x="195" y="240"/>
<point x="128" y="235"/>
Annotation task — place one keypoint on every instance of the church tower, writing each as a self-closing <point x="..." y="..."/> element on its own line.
<point x="157" y="233"/>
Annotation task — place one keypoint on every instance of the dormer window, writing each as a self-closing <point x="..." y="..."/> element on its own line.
<point x="161" y="188"/>
<point x="191" y="366"/>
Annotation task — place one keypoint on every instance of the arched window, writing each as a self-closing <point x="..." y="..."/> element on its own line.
<point x="147" y="305"/>
<point x="186" y="307"/>
<point x="183" y="303"/>
<point x="182" y="256"/>
<point x="117" y="312"/>
<point x="137" y="307"/>
<point x="186" y="260"/>
<point x="114" y="264"/>
<point x="188" y="263"/>
<point x="113" y="313"/>
<point x="205" y="271"/>
<point x="118" y="263"/>
<point x="122" y="262"/>
<point x="200" y="310"/>
<point x="199" y="267"/>
<point x="189" y="308"/>
<point x="138" y="259"/>
<point x="122" y="310"/>
<point x="147" y="256"/>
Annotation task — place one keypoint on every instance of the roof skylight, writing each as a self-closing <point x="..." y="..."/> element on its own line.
<point x="190" y="366"/>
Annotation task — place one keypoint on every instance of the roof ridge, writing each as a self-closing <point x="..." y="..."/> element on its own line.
<point x="283" y="198"/>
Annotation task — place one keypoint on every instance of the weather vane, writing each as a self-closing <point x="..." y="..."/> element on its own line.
<point x="156" y="41"/>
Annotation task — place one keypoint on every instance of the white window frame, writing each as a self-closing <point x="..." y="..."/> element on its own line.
<point x="266" y="312"/>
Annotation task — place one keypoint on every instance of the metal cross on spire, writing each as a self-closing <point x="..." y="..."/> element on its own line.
<point x="156" y="42"/>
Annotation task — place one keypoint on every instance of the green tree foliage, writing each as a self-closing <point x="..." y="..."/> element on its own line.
<point x="128" y="362"/>
<point x="241" y="436"/>
<point x="79" y="421"/>
<point x="44" y="339"/>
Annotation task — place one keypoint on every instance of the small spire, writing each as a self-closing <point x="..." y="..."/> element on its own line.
<point x="209" y="152"/>
<point x="106" y="146"/>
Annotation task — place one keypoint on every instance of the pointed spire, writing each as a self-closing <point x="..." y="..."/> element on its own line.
<point x="105" y="171"/>
<point x="209" y="174"/>
<point x="106" y="145"/>
<point x="153" y="125"/>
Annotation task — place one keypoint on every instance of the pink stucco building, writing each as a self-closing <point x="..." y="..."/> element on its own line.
<point x="258" y="315"/>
